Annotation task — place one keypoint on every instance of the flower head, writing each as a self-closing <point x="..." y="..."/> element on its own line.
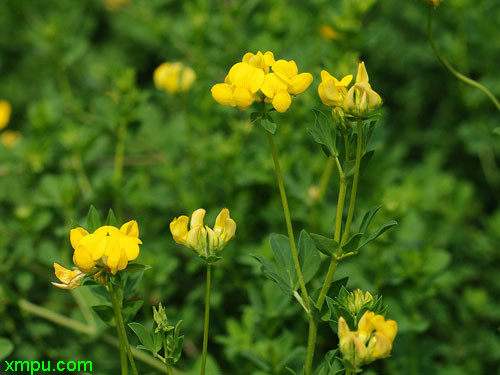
<point x="252" y="80"/>
<point x="373" y="339"/>
<point x="332" y="91"/>
<point x="174" y="77"/>
<point x="5" y="111"/>
<point x="205" y="241"/>
<point x="361" y="99"/>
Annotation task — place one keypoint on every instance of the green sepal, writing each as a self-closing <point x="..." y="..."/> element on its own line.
<point x="111" y="219"/>
<point x="93" y="219"/>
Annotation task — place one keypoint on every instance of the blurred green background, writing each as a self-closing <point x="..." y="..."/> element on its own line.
<point x="75" y="70"/>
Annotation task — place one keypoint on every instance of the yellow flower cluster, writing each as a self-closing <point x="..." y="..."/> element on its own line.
<point x="205" y="241"/>
<point x="108" y="248"/>
<point x="359" y="100"/>
<point x="260" y="77"/>
<point x="174" y="77"/>
<point x="373" y="339"/>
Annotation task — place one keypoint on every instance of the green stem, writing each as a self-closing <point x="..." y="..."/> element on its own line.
<point x="116" y="300"/>
<point x="286" y="211"/>
<point x="313" y="326"/>
<point x="448" y="66"/>
<point x="354" y="190"/>
<point x="207" y="320"/>
<point x="118" y="167"/>
<point x="311" y="344"/>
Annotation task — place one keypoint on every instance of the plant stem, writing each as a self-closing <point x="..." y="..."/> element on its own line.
<point x="452" y="70"/>
<point x="325" y="177"/>
<point x="116" y="300"/>
<point x="286" y="211"/>
<point x="207" y="320"/>
<point x="313" y="325"/>
<point x="117" y="312"/>
<point x="354" y="190"/>
<point x="118" y="167"/>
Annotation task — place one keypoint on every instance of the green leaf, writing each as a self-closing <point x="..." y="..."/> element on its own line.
<point x="132" y="280"/>
<point x="6" y="347"/>
<point x="365" y="161"/>
<point x="178" y="349"/>
<point x="353" y="242"/>
<point x="271" y="272"/>
<point x="106" y="313"/>
<point x="157" y="341"/>
<point x="136" y="267"/>
<point x="324" y="134"/>
<point x="309" y="256"/>
<point x="130" y="309"/>
<point x="350" y="165"/>
<point x="255" y="116"/>
<point x="324" y="244"/>
<point x="93" y="219"/>
<point x="280" y="244"/>
<point x="368" y="218"/>
<point x="379" y="232"/>
<point x="111" y="219"/>
<point x="144" y="335"/>
<point x="268" y="124"/>
<point x="337" y="286"/>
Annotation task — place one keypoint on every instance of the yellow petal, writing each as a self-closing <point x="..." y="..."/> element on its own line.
<point x="107" y="230"/>
<point x="243" y="98"/>
<point x="187" y="78"/>
<point x="197" y="218"/>
<point x="130" y="229"/>
<point x="223" y="94"/>
<point x="98" y="247"/>
<point x="63" y="274"/>
<point x="83" y="260"/>
<point x="5" y="111"/>
<point x="365" y="325"/>
<point x="345" y="81"/>
<point x="281" y="101"/>
<point x="325" y="76"/>
<point x="379" y="346"/>
<point x="113" y="253"/>
<point x="160" y="74"/>
<point x="178" y="228"/>
<point x="286" y="68"/>
<point x="343" y="328"/>
<point x="75" y="235"/>
<point x="272" y="85"/>
<point x="220" y="220"/>
<point x="300" y="83"/>
<point x="230" y="78"/>
<point x="362" y="75"/>
<point x="122" y="263"/>
<point x="269" y="58"/>
<point x="230" y="229"/>
<point x="130" y="247"/>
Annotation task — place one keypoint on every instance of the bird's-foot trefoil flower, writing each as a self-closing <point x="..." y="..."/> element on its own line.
<point x="174" y="77"/>
<point x="361" y="100"/>
<point x="107" y="249"/>
<point x="260" y="77"/>
<point x="332" y="91"/>
<point x="205" y="241"/>
<point x="373" y="339"/>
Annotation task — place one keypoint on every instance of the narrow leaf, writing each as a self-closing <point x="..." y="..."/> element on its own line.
<point x="93" y="219"/>
<point x="379" y="232"/>
<point x="309" y="256"/>
<point x="111" y="219"/>
<point x="368" y="218"/>
<point x="324" y="244"/>
<point x="353" y="242"/>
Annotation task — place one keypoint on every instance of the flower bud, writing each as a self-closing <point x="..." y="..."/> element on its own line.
<point x="357" y="300"/>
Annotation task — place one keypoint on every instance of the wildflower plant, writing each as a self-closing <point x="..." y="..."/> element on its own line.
<point x="102" y="256"/>
<point x="355" y="111"/>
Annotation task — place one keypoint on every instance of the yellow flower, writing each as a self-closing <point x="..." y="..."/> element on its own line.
<point x="373" y="339"/>
<point x="250" y="80"/>
<point x="69" y="279"/>
<point x="361" y="99"/>
<point x="174" y="77"/>
<point x="108" y="245"/>
<point x="5" y="110"/>
<point x="205" y="241"/>
<point x="332" y="91"/>
<point x="10" y="138"/>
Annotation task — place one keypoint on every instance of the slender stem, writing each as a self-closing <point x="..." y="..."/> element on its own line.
<point x="311" y="344"/>
<point x="116" y="300"/>
<point x="354" y="190"/>
<point x="328" y="281"/>
<point x="117" y="312"/>
<point x="118" y="167"/>
<point x="452" y="70"/>
<point x="286" y="211"/>
<point x="207" y="320"/>
<point x="347" y="149"/>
